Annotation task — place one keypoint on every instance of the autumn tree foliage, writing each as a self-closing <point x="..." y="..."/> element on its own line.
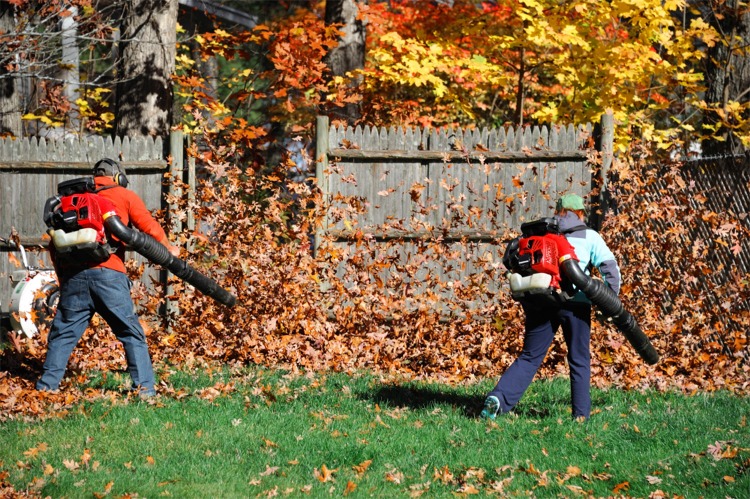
<point x="529" y="61"/>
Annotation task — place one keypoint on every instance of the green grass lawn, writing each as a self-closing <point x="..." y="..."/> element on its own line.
<point x="260" y="433"/>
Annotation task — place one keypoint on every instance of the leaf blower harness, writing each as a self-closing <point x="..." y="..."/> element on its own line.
<point x="545" y="272"/>
<point x="78" y="217"/>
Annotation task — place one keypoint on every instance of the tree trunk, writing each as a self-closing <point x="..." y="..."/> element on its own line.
<point x="350" y="54"/>
<point x="727" y="73"/>
<point x="10" y="97"/>
<point x="147" y="62"/>
<point x="71" y="64"/>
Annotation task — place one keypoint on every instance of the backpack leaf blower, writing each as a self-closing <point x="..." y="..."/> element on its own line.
<point x="77" y="217"/>
<point x="542" y="250"/>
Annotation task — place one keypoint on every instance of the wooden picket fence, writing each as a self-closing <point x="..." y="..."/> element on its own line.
<point x="464" y="188"/>
<point x="454" y="169"/>
<point x="31" y="168"/>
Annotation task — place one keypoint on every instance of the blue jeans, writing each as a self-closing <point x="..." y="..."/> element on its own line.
<point x="106" y="292"/>
<point x="541" y="325"/>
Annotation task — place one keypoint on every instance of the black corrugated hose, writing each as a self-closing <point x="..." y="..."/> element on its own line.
<point x="158" y="254"/>
<point x="610" y="305"/>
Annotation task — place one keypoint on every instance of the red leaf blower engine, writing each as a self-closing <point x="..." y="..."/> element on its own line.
<point x="544" y="272"/>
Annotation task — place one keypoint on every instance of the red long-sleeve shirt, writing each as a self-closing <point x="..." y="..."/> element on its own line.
<point x="132" y="210"/>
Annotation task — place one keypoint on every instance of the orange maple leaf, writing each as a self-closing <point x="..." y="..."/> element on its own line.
<point x="361" y="468"/>
<point x="350" y="487"/>
<point x="324" y="474"/>
<point x="621" y="486"/>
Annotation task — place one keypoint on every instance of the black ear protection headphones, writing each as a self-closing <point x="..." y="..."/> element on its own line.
<point x="112" y="168"/>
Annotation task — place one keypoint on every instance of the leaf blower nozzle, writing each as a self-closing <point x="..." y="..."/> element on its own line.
<point x="158" y="254"/>
<point x="610" y="305"/>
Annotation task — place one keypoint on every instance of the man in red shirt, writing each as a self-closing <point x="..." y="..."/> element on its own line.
<point x="104" y="288"/>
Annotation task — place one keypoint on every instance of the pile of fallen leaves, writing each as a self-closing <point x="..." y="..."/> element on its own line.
<point x="326" y="308"/>
<point x="334" y="308"/>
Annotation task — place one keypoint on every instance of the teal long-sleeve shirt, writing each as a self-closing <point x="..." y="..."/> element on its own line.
<point x="591" y="250"/>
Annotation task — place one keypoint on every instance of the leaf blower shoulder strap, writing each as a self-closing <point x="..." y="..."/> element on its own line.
<point x="576" y="228"/>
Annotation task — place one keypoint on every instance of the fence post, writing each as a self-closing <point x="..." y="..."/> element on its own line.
<point x="321" y="169"/>
<point x="176" y="168"/>
<point x="191" y="181"/>
<point x="176" y="152"/>
<point x="605" y="139"/>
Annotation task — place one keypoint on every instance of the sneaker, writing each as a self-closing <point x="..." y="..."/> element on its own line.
<point x="143" y="393"/>
<point x="491" y="407"/>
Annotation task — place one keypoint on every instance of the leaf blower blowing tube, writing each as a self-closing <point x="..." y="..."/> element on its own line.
<point x="158" y="254"/>
<point x="610" y="305"/>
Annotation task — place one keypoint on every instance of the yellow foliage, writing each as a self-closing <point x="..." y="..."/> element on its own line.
<point x="574" y="60"/>
<point x="183" y="61"/>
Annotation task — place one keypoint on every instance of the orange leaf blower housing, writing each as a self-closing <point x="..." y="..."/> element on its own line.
<point x="540" y="250"/>
<point x="543" y="254"/>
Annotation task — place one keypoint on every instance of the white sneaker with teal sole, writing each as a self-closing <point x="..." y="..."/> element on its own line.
<point x="491" y="407"/>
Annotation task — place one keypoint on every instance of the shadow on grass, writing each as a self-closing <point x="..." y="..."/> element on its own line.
<point x="534" y="404"/>
<point x="415" y="397"/>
